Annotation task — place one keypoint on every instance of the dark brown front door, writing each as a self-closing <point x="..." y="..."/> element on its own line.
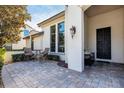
<point x="104" y="43"/>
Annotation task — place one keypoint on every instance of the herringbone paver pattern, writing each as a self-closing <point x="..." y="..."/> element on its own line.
<point x="50" y="75"/>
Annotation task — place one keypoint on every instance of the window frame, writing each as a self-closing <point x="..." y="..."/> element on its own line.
<point x="56" y="37"/>
<point x="51" y="39"/>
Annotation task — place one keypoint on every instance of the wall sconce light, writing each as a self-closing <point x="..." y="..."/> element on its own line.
<point x="73" y="31"/>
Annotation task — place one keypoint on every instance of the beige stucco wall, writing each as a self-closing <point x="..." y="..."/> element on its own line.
<point x="85" y="32"/>
<point x="115" y="19"/>
<point x="38" y="42"/>
<point x="28" y="44"/>
<point x="20" y="44"/>
<point x="54" y="21"/>
<point x="8" y="55"/>
<point x="46" y="36"/>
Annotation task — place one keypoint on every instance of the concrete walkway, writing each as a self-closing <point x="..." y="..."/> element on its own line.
<point x="50" y="75"/>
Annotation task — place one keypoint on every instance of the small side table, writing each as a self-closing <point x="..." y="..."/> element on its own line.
<point x="37" y="54"/>
<point x="89" y="59"/>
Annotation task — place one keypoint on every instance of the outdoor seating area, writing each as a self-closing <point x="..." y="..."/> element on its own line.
<point x="78" y="46"/>
<point x="37" y="55"/>
<point x="50" y="75"/>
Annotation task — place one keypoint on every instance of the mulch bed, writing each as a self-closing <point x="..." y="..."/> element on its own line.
<point x="62" y="64"/>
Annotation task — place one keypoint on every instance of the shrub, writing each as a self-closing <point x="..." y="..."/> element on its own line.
<point x="2" y="54"/>
<point x="15" y="50"/>
<point x="18" y="50"/>
<point x="1" y="65"/>
<point x="54" y="57"/>
<point x="18" y="57"/>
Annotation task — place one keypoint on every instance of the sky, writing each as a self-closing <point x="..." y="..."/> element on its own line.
<point x="42" y="12"/>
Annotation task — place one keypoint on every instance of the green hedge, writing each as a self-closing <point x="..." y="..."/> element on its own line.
<point x="16" y="50"/>
<point x="21" y="57"/>
<point x="2" y="54"/>
<point x="18" y="57"/>
<point x="54" y="57"/>
<point x="2" y="57"/>
<point x="1" y="65"/>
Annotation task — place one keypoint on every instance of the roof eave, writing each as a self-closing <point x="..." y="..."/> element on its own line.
<point x="36" y="34"/>
<point x="52" y="18"/>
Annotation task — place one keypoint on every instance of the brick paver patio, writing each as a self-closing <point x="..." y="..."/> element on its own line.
<point x="50" y="75"/>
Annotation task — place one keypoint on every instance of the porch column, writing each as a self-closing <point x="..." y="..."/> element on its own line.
<point x="74" y="47"/>
<point x="30" y="41"/>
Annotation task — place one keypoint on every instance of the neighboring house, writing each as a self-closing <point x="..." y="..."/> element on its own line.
<point x="21" y="43"/>
<point x="34" y="40"/>
<point x="96" y="28"/>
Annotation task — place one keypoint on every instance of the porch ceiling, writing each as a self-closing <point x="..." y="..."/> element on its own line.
<point x="98" y="9"/>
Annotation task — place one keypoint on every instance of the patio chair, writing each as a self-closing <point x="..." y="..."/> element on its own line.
<point x="36" y="55"/>
<point x="43" y="55"/>
<point x="28" y="53"/>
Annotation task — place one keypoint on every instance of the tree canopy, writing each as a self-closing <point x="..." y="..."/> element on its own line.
<point x="12" y="19"/>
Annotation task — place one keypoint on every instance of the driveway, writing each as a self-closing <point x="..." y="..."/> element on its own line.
<point x="50" y="75"/>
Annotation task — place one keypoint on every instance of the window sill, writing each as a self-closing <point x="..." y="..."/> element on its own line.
<point x="58" y="53"/>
